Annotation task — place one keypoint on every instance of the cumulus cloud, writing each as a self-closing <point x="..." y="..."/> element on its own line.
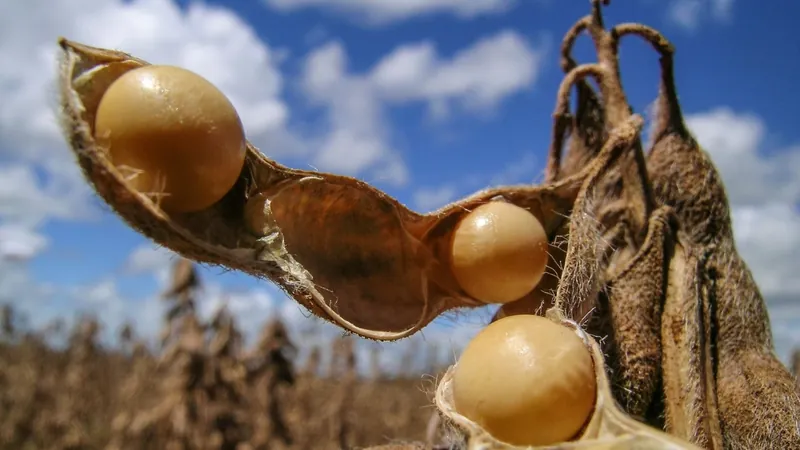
<point x="380" y="12"/>
<point x="357" y="136"/>
<point x="218" y="44"/>
<point x="20" y="243"/>
<point x="735" y="141"/>
<point x="39" y="180"/>
<point x="27" y="198"/>
<point x="429" y="199"/>
<point x="688" y="14"/>
<point x="114" y="309"/>
<point x="476" y="79"/>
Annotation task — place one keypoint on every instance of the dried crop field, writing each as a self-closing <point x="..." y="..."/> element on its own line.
<point x="651" y="331"/>
<point x="201" y="390"/>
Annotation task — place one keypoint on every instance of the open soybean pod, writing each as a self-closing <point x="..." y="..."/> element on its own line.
<point x="350" y="253"/>
<point x="606" y="427"/>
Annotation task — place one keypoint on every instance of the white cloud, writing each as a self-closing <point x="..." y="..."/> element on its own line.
<point x="20" y="243"/>
<point x="477" y="79"/>
<point x="26" y="197"/>
<point x="722" y="9"/>
<point x="768" y="237"/>
<point x="785" y="321"/>
<point x="379" y="12"/>
<point x="30" y="296"/>
<point x="212" y="41"/>
<point x="689" y="14"/>
<point x="750" y="177"/>
<point x="113" y="309"/>
<point x="150" y="259"/>
<point x="429" y="199"/>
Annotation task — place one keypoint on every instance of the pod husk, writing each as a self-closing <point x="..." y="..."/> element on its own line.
<point x="608" y="428"/>
<point x="333" y="243"/>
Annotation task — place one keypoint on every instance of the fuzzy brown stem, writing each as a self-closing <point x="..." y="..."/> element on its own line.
<point x="567" y="62"/>
<point x="561" y="125"/>
<point x="562" y="117"/>
<point x="617" y="109"/>
<point x="616" y="103"/>
<point x="672" y="122"/>
<point x="571" y="124"/>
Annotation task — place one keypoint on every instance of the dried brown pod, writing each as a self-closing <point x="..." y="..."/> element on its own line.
<point x="621" y="276"/>
<point x="609" y="426"/>
<point x="619" y="297"/>
<point x="332" y="242"/>
<point x="724" y="386"/>
<point x="616" y="294"/>
<point x="632" y="303"/>
<point x="627" y="182"/>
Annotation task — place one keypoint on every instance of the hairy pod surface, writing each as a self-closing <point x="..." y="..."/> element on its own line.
<point x="724" y="386"/>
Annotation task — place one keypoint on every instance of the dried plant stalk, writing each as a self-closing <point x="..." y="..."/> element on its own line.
<point x="343" y="369"/>
<point x="129" y="393"/>
<point x="270" y="369"/>
<point x="587" y="131"/>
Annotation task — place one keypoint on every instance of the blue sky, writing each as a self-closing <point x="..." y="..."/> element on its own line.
<point x="429" y="101"/>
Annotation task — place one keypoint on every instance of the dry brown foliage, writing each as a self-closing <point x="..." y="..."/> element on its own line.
<point x="204" y="390"/>
<point x="643" y="256"/>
